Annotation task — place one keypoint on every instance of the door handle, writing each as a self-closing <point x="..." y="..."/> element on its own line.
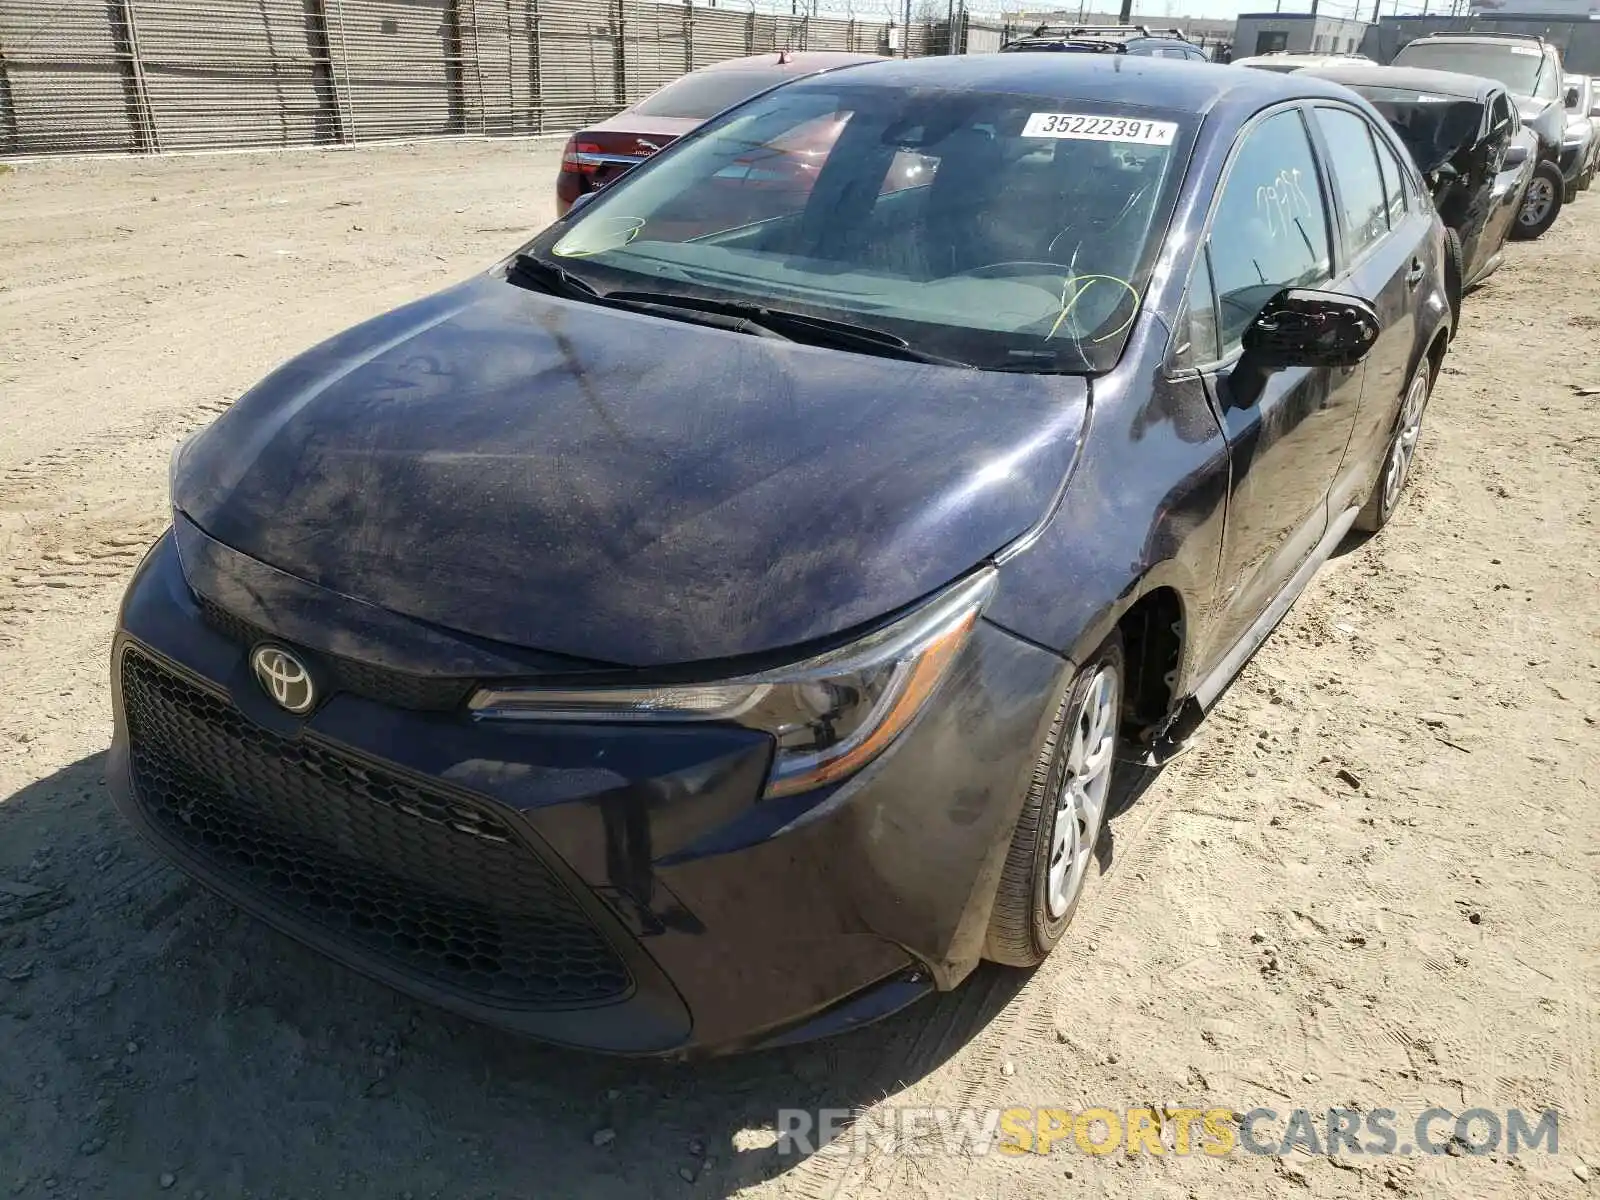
<point x="1414" y="275"/>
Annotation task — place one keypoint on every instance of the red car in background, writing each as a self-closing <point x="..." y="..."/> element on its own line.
<point x="595" y="156"/>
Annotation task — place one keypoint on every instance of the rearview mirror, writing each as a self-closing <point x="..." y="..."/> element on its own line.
<point x="1300" y="327"/>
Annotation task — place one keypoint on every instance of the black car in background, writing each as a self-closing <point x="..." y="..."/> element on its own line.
<point x="675" y="639"/>
<point x="1467" y="140"/>
<point x="1137" y="40"/>
<point x="1530" y="70"/>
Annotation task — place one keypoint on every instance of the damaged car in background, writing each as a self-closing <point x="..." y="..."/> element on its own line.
<point x="1529" y="68"/>
<point x="1467" y="140"/>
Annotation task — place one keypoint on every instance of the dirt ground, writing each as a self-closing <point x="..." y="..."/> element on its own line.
<point x="1374" y="883"/>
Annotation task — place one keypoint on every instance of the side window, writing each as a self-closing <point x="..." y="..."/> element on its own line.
<point x="1394" y="189"/>
<point x="1202" y="313"/>
<point x="1502" y="124"/>
<point x="1270" y="225"/>
<point x="1358" y="183"/>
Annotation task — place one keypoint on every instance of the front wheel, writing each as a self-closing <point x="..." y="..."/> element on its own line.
<point x="1401" y="453"/>
<point x="1541" y="203"/>
<point x="1452" y="276"/>
<point x="1062" y="816"/>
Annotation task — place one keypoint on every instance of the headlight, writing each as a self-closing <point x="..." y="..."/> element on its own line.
<point x="830" y="715"/>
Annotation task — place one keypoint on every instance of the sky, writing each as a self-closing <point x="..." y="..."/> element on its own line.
<point x="1176" y="10"/>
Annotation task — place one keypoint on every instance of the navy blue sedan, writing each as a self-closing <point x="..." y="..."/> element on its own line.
<point x="726" y="620"/>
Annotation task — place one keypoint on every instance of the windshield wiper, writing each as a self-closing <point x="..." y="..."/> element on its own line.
<point x="798" y="327"/>
<point x="737" y="316"/>
<point x="528" y="270"/>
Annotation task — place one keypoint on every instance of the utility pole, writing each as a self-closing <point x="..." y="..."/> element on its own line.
<point x="905" y="34"/>
<point x="1125" y="17"/>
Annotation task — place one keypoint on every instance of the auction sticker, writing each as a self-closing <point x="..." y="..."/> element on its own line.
<point x="1101" y="129"/>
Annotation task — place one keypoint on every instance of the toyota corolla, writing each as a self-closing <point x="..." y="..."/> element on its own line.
<point x="675" y="639"/>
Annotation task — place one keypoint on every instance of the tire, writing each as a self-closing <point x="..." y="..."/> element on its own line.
<point x="1399" y="453"/>
<point x="1452" y="276"/>
<point x="1541" y="204"/>
<point x="1051" y="853"/>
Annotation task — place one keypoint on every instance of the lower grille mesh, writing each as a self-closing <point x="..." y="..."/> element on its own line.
<point x="434" y="884"/>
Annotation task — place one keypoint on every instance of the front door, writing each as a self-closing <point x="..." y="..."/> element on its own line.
<point x="1287" y="430"/>
<point x="1505" y="196"/>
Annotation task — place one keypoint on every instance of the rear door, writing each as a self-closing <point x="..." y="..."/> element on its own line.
<point x="1270" y="228"/>
<point x="1388" y="258"/>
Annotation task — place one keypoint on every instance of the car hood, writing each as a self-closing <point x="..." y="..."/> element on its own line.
<point x="1533" y="111"/>
<point x="1434" y="131"/>
<point x="623" y="488"/>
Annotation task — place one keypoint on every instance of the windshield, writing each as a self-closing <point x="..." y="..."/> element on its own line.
<point x="1005" y="231"/>
<point x="705" y="95"/>
<point x="1520" y="68"/>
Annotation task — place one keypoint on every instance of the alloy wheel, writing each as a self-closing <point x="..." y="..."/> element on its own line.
<point x="1536" y="201"/>
<point x="1081" y="795"/>
<point x="1404" y="449"/>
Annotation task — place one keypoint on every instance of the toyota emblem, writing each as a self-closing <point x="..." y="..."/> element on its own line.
<point x="285" y="678"/>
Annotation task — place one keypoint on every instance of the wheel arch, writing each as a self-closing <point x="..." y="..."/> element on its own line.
<point x="1156" y="619"/>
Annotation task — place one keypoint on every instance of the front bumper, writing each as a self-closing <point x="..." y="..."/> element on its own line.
<point x="1574" y="160"/>
<point x="619" y="889"/>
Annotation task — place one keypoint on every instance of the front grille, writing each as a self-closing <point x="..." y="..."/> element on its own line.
<point x="434" y="883"/>
<point x="401" y="689"/>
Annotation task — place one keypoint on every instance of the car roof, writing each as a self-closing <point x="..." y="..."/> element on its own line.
<point x="1279" y="56"/>
<point x="1483" y="39"/>
<point x="803" y="62"/>
<point x="1442" y="83"/>
<point x="1159" y="82"/>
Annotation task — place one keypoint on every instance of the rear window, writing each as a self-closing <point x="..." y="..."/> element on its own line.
<point x="704" y="95"/>
<point x="1007" y="231"/>
<point x="1522" y="68"/>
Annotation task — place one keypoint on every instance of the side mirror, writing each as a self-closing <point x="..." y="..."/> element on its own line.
<point x="1300" y="327"/>
<point x="580" y="202"/>
<point x="1570" y="100"/>
<point x="1516" y="155"/>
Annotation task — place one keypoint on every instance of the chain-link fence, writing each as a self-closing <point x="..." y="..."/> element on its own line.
<point x="82" y="76"/>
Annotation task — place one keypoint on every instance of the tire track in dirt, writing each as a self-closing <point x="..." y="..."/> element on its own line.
<point x="1025" y="1024"/>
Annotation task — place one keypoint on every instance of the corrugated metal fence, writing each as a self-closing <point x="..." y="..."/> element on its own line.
<point x="151" y="75"/>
